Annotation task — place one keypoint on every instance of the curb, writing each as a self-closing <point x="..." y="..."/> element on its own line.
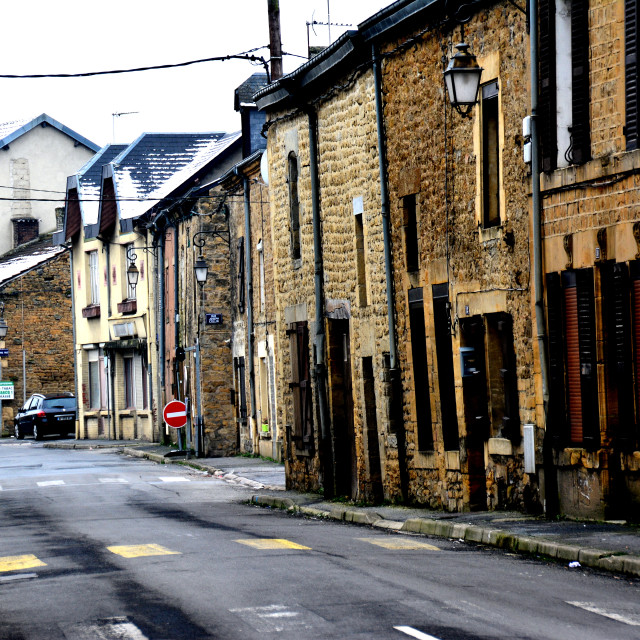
<point x="92" y="445"/>
<point x="593" y="558"/>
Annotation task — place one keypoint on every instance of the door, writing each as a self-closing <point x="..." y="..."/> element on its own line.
<point x="341" y="398"/>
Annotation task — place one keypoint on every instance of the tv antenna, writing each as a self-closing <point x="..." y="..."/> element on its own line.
<point x="115" y="115"/>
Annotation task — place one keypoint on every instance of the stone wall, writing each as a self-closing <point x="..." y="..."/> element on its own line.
<point x="436" y="155"/>
<point x="38" y="314"/>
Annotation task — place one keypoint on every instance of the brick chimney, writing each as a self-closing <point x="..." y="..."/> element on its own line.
<point x="24" y="230"/>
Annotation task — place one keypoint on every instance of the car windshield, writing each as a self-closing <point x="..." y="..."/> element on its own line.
<point x="60" y="403"/>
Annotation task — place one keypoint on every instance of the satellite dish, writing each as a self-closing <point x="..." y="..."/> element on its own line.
<point x="264" y="167"/>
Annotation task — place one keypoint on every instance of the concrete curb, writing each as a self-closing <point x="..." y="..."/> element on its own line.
<point x="594" y="558"/>
<point x="88" y="445"/>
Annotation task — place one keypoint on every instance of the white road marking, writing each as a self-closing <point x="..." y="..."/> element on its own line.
<point x="18" y="576"/>
<point x="109" y="629"/>
<point x="113" y="480"/>
<point x="174" y="479"/>
<point x="632" y="619"/>
<point x="276" y="618"/>
<point x="51" y="483"/>
<point x="414" y="633"/>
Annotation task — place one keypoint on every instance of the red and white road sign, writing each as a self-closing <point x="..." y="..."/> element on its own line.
<point x="175" y="414"/>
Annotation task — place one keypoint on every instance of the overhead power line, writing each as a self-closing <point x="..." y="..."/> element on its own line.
<point x="236" y="56"/>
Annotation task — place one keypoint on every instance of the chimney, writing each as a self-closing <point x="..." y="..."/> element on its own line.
<point x="24" y="230"/>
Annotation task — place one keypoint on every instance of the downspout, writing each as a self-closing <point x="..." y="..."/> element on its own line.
<point x="551" y="489"/>
<point x="395" y="405"/>
<point x="249" y="285"/>
<point x="319" y="352"/>
<point x="161" y="337"/>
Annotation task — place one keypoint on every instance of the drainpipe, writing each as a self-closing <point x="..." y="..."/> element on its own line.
<point x="319" y="352"/>
<point x="551" y="483"/>
<point x="395" y="424"/>
<point x="249" y="284"/>
<point x="160" y="324"/>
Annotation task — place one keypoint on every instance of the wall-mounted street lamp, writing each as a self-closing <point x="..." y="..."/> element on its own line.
<point x="462" y="77"/>
<point x="201" y="268"/>
<point x="132" y="275"/>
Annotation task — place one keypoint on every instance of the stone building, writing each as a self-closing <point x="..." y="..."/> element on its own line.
<point x="590" y="199"/>
<point x="411" y="379"/>
<point x="459" y="209"/>
<point x="35" y="291"/>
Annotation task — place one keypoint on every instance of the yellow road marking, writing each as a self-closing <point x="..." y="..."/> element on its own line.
<point x="16" y="563"/>
<point x="272" y="543"/>
<point x="140" y="550"/>
<point x="399" y="543"/>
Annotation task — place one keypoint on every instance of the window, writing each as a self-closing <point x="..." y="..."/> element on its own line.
<point x="301" y="385"/>
<point x="94" y="278"/>
<point x="564" y="83"/>
<point x="444" y="355"/>
<point x="261" y="274"/>
<point x="93" y="360"/>
<point x="490" y="156"/>
<point x="361" y="270"/>
<point x="294" y="205"/>
<point x="241" y="286"/>
<point x="420" y="370"/>
<point x="410" y="227"/>
<point x="129" y="383"/>
<point x="573" y="380"/>
<point x="632" y="84"/>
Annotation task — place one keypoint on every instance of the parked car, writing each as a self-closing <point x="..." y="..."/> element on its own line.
<point x="46" y="414"/>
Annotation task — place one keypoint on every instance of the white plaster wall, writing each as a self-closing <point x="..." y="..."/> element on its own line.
<point x="52" y="156"/>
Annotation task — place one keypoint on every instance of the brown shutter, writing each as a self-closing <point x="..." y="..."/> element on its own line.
<point x="547" y="79"/>
<point x="635" y="315"/>
<point x="306" y="404"/>
<point x="631" y="17"/>
<point x="588" y="358"/>
<point x="241" y="287"/>
<point x="580" y="150"/>
<point x="557" y="413"/>
<point x="572" y="335"/>
<point x="511" y="418"/>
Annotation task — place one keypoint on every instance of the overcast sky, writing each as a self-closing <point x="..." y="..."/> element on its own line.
<point x="77" y="36"/>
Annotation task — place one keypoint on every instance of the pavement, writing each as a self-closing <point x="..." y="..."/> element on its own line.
<point x="607" y="546"/>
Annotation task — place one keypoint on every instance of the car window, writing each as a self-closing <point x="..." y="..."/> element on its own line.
<point x="34" y="403"/>
<point x="59" y="403"/>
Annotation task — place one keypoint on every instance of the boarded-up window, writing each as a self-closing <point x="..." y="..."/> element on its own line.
<point x="490" y="156"/>
<point x="294" y="204"/>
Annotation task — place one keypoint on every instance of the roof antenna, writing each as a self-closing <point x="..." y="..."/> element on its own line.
<point x="113" y="122"/>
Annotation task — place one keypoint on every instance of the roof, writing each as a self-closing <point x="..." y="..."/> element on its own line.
<point x="350" y="50"/>
<point x="157" y="165"/>
<point x="26" y="257"/>
<point x="243" y="95"/>
<point x="10" y="131"/>
<point x="89" y="181"/>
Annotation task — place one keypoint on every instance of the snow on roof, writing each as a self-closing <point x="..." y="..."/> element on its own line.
<point x="90" y="181"/>
<point x="146" y="175"/>
<point x="12" y="266"/>
<point x="7" y="128"/>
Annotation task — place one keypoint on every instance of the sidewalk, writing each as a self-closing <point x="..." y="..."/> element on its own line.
<point x="608" y="546"/>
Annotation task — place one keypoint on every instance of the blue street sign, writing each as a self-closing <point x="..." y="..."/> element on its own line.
<point x="4" y="353"/>
<point x="213" y="318"/>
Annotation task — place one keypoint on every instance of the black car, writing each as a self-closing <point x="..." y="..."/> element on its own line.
<point x="45" y="414"/>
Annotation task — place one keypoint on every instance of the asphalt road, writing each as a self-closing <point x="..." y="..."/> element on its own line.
<point x="95" y="545"/>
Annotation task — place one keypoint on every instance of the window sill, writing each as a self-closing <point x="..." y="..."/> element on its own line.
<point x="92" y="311"/>
<point x="487" y="234"/>
<point x="128" y="307"/>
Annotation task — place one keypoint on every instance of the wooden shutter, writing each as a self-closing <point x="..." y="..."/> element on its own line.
<point x="635" y="315"/>
<point x="511" y="417"/>
<point x="588" y="358"/>
<point x="301" y="385"/>
<point x="580" y="150"/>
<point x="547" y="88"/>
<point x="241" y="292"/>
<point x="557" y="412"/>
<point x="631" y="17"/>
<point x="572" y="346"/>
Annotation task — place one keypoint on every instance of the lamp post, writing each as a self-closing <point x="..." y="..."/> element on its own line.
<point x="462" y="77"/>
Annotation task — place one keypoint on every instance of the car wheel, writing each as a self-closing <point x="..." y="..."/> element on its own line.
<point x="36" y="434"/>
<point x="19" y="434"/>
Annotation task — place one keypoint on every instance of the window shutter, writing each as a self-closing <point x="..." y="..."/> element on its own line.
<point x="547" y="79"/>
<point x="306" y="404"/>
<point x="580" y="150"/>
<point x="241" y="291"/>
<point x="588" y="358"/>
<point x="511" y="418"/>
<point x="631" y="17"/>
<point x="557" y="412"/>
<point x="635" y="276"/>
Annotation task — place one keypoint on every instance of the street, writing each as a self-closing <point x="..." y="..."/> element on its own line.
<point x="99" y="545"/>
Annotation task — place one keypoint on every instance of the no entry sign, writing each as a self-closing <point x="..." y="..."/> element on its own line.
<point x="175" y="414"/>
